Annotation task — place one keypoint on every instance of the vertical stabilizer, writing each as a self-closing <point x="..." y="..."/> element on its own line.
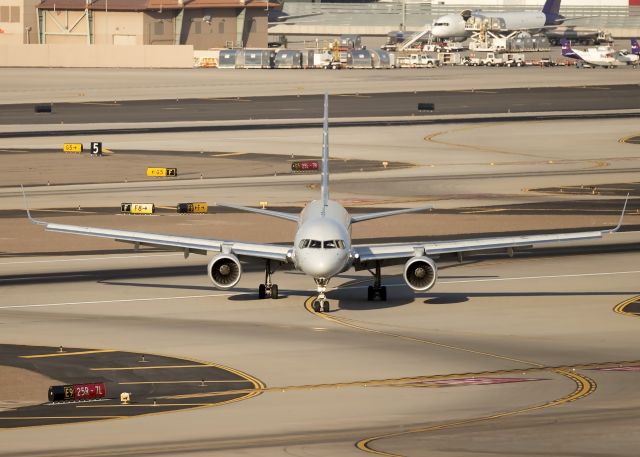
<point x="324" y="185"/>
<point x="552" y="7"/>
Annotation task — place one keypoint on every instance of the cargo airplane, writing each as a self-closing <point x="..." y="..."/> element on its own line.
<point x="322" y="247"/>
<point x="601" y="56"/>
<point x="453" y="26"/>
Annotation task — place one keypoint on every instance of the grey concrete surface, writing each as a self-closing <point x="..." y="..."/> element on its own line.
<point x="90" y="85"/>
<point x="338" y="379"/>
<point x="505" y="314"/>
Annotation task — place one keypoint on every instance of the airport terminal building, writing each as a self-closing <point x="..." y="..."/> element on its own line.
<point x="204" y="24"/>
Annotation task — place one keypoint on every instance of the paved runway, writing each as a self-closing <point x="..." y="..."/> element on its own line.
<point x="522" y="100"/>
<point x="501" y="352"/>
<point x="155" y="383"/>
<point x="500" y="336"/>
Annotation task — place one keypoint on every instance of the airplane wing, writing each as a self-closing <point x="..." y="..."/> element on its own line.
<point x="366" y="255"/>
<point x="186" y="244"/>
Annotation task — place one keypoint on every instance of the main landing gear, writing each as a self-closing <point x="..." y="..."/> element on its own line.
<point x="377" y="290"/>
<point x="268" y="289"/>
<point x="321" y="304"/>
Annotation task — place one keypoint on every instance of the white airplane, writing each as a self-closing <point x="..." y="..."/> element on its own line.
<point x="452" y="26"/>
<point x="602" y="56"/>
<point x="322" y="247"/>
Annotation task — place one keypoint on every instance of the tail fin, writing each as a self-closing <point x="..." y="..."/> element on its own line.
<point x="635" y="47"/>
<point x="567" y="51"/>
<point x="324" y="185"/>
<point x="551" y="7"/>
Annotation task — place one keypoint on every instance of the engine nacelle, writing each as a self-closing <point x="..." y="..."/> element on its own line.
<point x="420" y="273"/>
<point x="224" y="271"/>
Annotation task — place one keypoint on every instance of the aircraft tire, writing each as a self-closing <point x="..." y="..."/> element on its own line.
<point x="325" y="307"/>
<point x="262" y="291"/>
<point x="316" y="306"/>
<point x="370" y="293"/>
<point x="274" y="291"/>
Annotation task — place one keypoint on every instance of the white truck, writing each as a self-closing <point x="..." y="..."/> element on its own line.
<point x="492" y="60"/>
<point x="508" y="59"/>
<point x="514" y="60"/>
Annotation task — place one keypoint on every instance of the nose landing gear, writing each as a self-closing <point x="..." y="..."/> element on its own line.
<point x="268" y="289"/>
<point x="321" y="304"/>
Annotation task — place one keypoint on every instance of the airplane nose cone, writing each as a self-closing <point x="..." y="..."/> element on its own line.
<point x="321" y="266"/>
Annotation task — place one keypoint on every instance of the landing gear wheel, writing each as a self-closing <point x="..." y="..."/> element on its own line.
<point x="325" y="307"/>
<point x="383" y="293"/>
<point x="377" y="290"/>
<point x="274" y="291"/>
<point x="316" y="306"/>
<point x="262" y="291"/>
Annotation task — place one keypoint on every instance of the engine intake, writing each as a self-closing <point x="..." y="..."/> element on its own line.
<point x="224" y="271"/>
<point x="420" y="273"/>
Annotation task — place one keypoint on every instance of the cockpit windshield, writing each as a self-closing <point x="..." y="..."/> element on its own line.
<point x="315" y="244"/>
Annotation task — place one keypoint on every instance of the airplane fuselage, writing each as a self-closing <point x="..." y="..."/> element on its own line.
<point x="453" y="25"/>
<point x="322" y="245"/>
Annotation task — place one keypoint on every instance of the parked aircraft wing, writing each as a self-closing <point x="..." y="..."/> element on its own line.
<point x="365" y="254"/>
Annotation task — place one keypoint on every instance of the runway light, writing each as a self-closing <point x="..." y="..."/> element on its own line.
<point x="125" y="398"/>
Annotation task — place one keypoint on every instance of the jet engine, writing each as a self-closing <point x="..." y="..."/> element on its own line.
<point x="420" y="273"/>
<point x="224" y="271"/>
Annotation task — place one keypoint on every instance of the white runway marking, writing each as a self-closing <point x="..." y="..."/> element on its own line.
<point x="128" y="300"/>
<point x="29" y="278"/>
<point x="519" y="278"/>
<point x="89" y="259"/>
<point x="579" y="275"/>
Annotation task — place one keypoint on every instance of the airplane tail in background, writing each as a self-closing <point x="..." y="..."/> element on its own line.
<point x="635" y="47"/>
<point x="324" y="184"/>
<point x="567" y="51"/>
<point x="551" y="7"/>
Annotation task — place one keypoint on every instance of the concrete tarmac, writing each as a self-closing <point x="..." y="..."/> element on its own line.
<point x="39" y="85"/>
<point x="501" y="352"/>
<point x="338" y="379"/>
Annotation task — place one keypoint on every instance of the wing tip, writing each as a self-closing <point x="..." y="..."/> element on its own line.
<point x="26" y="207"/>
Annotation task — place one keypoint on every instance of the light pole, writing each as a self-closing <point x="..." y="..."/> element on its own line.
<point x="106" y="21"/>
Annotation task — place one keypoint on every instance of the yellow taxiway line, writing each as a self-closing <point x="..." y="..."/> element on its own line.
<point x="64" y="354"/>
<point x="620" y="307"/>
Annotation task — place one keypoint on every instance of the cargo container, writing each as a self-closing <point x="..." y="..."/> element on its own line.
<point x="288" y="58"/>
<point x="231" y="58"/>
<point x="381" y="58"/>
<point x="360" y="58"/>
<point x="258" y="58"/>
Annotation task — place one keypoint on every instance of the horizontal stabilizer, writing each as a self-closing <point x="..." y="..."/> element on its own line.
<point x="266" y="212"/>
<point x="367" y="217"/>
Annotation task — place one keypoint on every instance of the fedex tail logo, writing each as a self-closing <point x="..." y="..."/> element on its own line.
<point x="567" y="51"/>
<point x="635" y="47"/>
